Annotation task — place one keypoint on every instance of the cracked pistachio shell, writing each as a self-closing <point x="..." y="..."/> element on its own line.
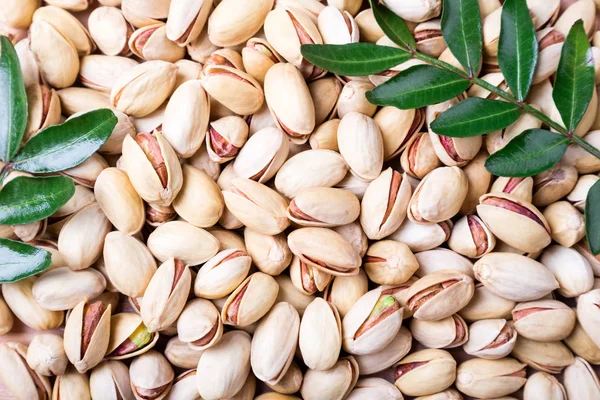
<point x="82" y="236"/>
<point x="566" y="223"/>
<point x="438" y="196"/>
<point x="201" y="160"/>
<point x="545" y="386"/>
<point x="438" y="259"/>
<point x="200" y="201"/>
<point x="19" y="298"/>
<point x="157" y="215"/>
<point x="361" y="145"/>
<point x="397" y="127"/>
<point x="187" y="19"/>
<point x="353" y="99"/>
<point x="262" y="155"/>
<point x="344" y="291"/>
<point x="165" y="295"/>
<point x="320" y="335"/>
<point x="581" y="381"/>
<point x="584" y="10"/>
<point x="129" y="337"/>
<point x="388" y="356"/>
<point x="43" y="109"/>
<point x="234" y="89"/>
<point x="521" y="188"/>
<point x="224" y="368"/>
<point x="325" y="136"/>
<point x="289" y="294"/>
<point x="514" y="277"/>
<point x="225" y="137"/>
<point x="186" y="118"/>
<point x="46" y="355"/>
<point x="428" y="37"/>
<point x="550" y="43"/>
<point x="232" y="23"/>
<point x="119" y="201"/>
<point x="184" y="387"/>
<point x="151" y="376"/>
<point x="129" y="263"/>
<point x="323" y="207"/>
<point x="145" y="12"/>
<point x="497" y="140"/>
<point x="86" y="334"/>
<point x="425" y="372"/>
<point x="368" y="27"/>
<point x="324" y="249"/>
<point x="446" y="333"/>
<point x="252" y="299"/>
<point x="291" y="381"/>
<point x="290" y="102"/>
<point x="17" y="14"/>
<point x="554" y="184"/>
<point x="580" y="160"/>
<point x="478" y="178"/>
<point x="181" y="355"/>
<point x="75" y="100"/>
<point x="490" y="339"/>
<point x="582" y="345"/>
<point x="200" y="325"/>
<point x="579" y="193"/>
<point x="312" y="8"/>
<point x="62" y="288"/>
<point x="201" y="48"/>
<point x="372" y="322"/>
<point x="269" y="253"/>
<point x="258" y="56"/>
<point x="490" y="378"/>
<point x="46" y="43"/>
<point x="374" y="388"/>
<point x="415" y="10"/>
<point x="486" y="305"/>
<point x="274" y="343"/>
<point x="222" y="274"/>
<point x="6" y="318"/>
<point x="310" y="168"/>
<point x="306" y="278"/>
<point x="151" y="43"/>
<point x="110" y="381"/>
<point x="227" y="239"/>
<point x="337" y="26"/>
<point x="419" y="158"/>
<point x="69" y="26"/>
<point x="419" y="237"/>
<point x="516" y="222"/>
<point x="588" y="314"/>
<point x="549" y="357"/>
<point x="71" y="385"/>
<point x="29" y="66"/>
<point x="99" y="72"/>
<point x="439" y="294"/>
<point x="544" y="320"/>
<point x="334" y="383"/>
<point x="325" y="93"/>
<point x="18" y="378"/>
<point x="355" y="235"/>
<point x="471" y="237"/>
<point x="143" y="88"/>
<point x="399" y="292"/>
<point x="572" y="271"/>
<point x="388" y="262"/>
<point x="187" y="70"/>
<point x="199" y="246"/>
<point x="110" y="30"/>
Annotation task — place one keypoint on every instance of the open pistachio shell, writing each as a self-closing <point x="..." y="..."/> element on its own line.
<point x="129" y="337"/>
<point x="253" y="298"/>
<point x="200" y="324"/>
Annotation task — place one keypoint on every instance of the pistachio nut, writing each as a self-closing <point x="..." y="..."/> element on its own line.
<point x="199" y="246"/>
<point x="46" y="355"/>
<point x="17" y="14"/>
<point x="225" y="138"/>
<point x="566" y="223"/>
<point x="478" y="178"/>
<point x="43" y="109"/>
<point x="184" y="387"/>
<point x="582" y="345"/>
<point x="490" y="339"/>
<point x="550" y="43"/>
<point x="325" y="93"/>
<point x="581" y="381"/>
<point x="187" y="70"/>
<point x="199" y="324"/>
<point x="72" y="385"/>
<point x="419" y="237"/>
<point x="368" y="27"/>
<point x="353" y="99"/>
<point x="201" y="160"/>
<point x="361" y="145"/>
<point x="323" y="207"/>
<point x="232" y="23"/>
<point x="334" y="383"/>
<point x="262" y="155"/>
<point x="587" y="314"/>
<point x="6" y="318"/>
<point x="306" y="278"/>
<point x="499" y="139"/>
<point x="388" y="262"/>
<point x="291" y="381"/>
<point x="186" y="20"/>
<point x="344" y="291"/>
<point x="145" y="12"/>
<point x="62" y="288"/>
<point x="269" y="253"/>
<point x="181" y="355"/>
<point x="18" y="378"/>
<point x="521" y="188"/>
<point x="29" y="66"/>
<point x="490" y="378"/>
<point x="258" y="56"/>
<point x="397" y="127"/>
<point x="222" y="274"/>
<point x="200" y="201"/>
<point x="337" y="26"/>
<point x="227" y="239"/>
<point x="129" y="337"/>
<point x="312" y="8"/>
<point x="554" y="184"/>
<point x="151" y="376"/>
<point x="354" y="234"/>
<point x="543" y="320"/>
<point x="353" y="184"/>
<point x="391" y="354"/>
<point x="233" y="88"/>
<point x="428" y="37"/>
<point x="584" y="10"/>
<point x="320" y="335"/>
<point x="438" y="259"/>
<point x="471" y="237"/>
<point x="582" y="161"/>
<point x="544" y="385"/>
<point x="68" y="26"/>
<point x="157" y="215"/>
<point x="289" y="294"/>
<point x="71" y="5"/>
<point x="450" y="394"/>
<point x="75" y="100"/>
<point x="110" y="31"/>
<point x="579" y="193"/>
<point x="369" y="388"/>
<point x="252" y="299"/>
<point x="572" y="271"/>
<point x="412" y="375"/>
<point x="201" y="48"/>
<point x="446" y="333"/>
<point x="260" y="119"/>
<point x="550" y="357"/>
<point x="486" y="305"/>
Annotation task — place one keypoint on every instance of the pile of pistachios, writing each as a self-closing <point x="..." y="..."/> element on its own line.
<point x="254" y="228"/>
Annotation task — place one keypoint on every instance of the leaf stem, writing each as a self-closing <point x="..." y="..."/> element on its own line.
<point x="4" y="172"/>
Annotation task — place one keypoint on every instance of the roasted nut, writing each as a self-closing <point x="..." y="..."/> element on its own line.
<point x="412" y="372"/>
<point x="186" y="20"/>
<point x="388" y="262"/>
<point x="62" y="288"/>
<point x="151" y="376"/>
<point x="490" y="378"/>
<point x="200" y="324"/>
<point x="334" y="383"/>
<point x="46" y="355"/>
<point x="129" y="337"/>
<point x="222" y="274"/>
<point x="233" y="88"/>
<point x="419" y="237"/>
<point x="550" y="357"/>
<point x="252" y="299"/>
<point x="446" y="333"/>
<point x="543" y="320"/>
<point x="17" y="377"/>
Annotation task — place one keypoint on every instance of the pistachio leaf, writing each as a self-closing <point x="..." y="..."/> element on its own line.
<point x="354" y="59"/>
<point x="517" y="47"/>
<point x="392" y="25"/>
<point x="19" y="260"/>
<point x="67" y="145"/>
<point x="418" y="86"/>
<point x="461" y="29"/>
<point x="532" y="152"/>
<point x="592" y="218"/>
<point x="574" y="81"/>
<point x="475" y="116"/>
<point x="13" y="101"/>
<point x="29" y="199"/>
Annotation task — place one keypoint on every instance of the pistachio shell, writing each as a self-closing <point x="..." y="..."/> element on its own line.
<point x="252" y="299"/>
<point x="549" y="357"/>
<point x="490" y="339"/>
<point x="446" y="333"/>
<point x="543" y="384"/>
<point x="270" y="254"/>
<point x="19" y="298"/>
<point x="151" y="372"/>
<point x="232" y="23"/>
<point x="17" y="377"/>
<point x="62" y="288"/>
<point x="46" y="355"/>
<point x="543" y="320"/>
<point x="490" y="378"/>
<point x="200" y="324"/>
<point x="222" y="274"/>
<point x="412" y="374"/>
<point x="334" y="383"/>
<point x="320" y="335"/>
<point x="391" y="354"/>
<point x="199" y="246"/>
<point x="124" y="327"/>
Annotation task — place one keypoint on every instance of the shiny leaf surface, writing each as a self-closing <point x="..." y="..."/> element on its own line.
<point x="19" y="260"/>
<point x="461" y="28"/>
<point x="592" y="218"/>
<point x="392" y="25"/>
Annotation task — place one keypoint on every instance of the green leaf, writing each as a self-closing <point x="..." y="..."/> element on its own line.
<point x="64" y="146"/>
<point x="592" y="218"/>
<point x="27" y="199"/>
<point x="19" y="260"/>
<point x="13" y="101"/>
<point x="574" y="81"/>
<point x="354" y="59"/>
<point x="517" y="47"/>
<point x="418" y="86"/>
<point x="461" y="28"/>
<point x="532" y="152"/>
<point x="475" y="116"/>
<point x="392" y="25"/>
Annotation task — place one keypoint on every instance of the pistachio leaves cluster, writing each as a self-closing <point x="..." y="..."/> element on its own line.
<point x="44" y="148"/>
<point x="419" y="74"/>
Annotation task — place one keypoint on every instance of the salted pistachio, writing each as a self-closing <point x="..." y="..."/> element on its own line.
<point x="553" y="184"/>
<point x="550" y="357"/>
<point x="151" y="376"/>
<point x="353" y="99"/>
<point x="157" y="215"/>
<point x="289" y="294"/>
<point x="262" y="155"/>
<point x="323" y="207"/>
<point x="415" y="10"/>
<point x="438" y="196"/>
<point x="587" y="314"/>
<point x="143" y="88"/>
<point x="258" y="56"/>
<point x="582" y="345"/>
<point x="354" y="234"/>
<point x="490" y="378"/>
<point x="119" y="201"/>
<point x="584" y="10"/>
<point x="86" y="334"/>
<point x="67" y="25"/>
<point x="62" y="288"/>
<point x="225" y="138"/>
<point x="200" y="201"/>
<point x="306" y="278"/>
<point x="224" y="368"/>
<point x="6" y="318"/>
<point x="334" y="383"/>
<point x="199" y="324"/>
<point x="578" y="195"/>
<point x="397" y="127"/>
<point x="187" y="70"/>
<point x="343" y="291"/>
<point x="43" y="107"/>
<point x="388" y="262"/>
<point x="235" y="89"/>
<point x="201" y="160"/>
<point x="199" y="246"/>
<point x="110" y="31"/>
<point x="310" y="168"/>
<point x="46" y="355"/>
<point x="486" y="305"/>
<point x="269" y="253"/>
<point x="361" y="145"/>
<point x="222" y="274"/>
<point x="368" y="27"/>
<point x="514" y="277"/>
<point x="544" y="385"/>
<point x="419" y="237"/>
<point x="181" y="355"/>
<point x="428" y="37"/>
<point x="29" y="66"/>
<point x="337" y="26"/>
<point x="231" y="23"/>
<point x="584" y="163"/>
<point x="18" y="14"/>
<point x="145" y="12"/>
<point x="325" y="93"/>
<point x="572" y="271"/>
<point x="543" y="320"/>
<point x="497" y="140"/>
<point x="521" y="188"/>
<point x="490" y="339"/>
<point x="514" y="221"/>
<point x="75" y="100"/>
<point x="71" y="385"/>
<point x="446" y="333"/>
<point x="290" y="382"/>
<point x="478" y="178"/>
<point x="412" y="374"/>
<point x="252" y="299"/>
<point x="370" y="388"/>
<point x="581" y="381"/>
<point x="287" y="28"/>
<point x="550" y="43"/>
<point x="186" y="20"/>
<point x="18" y="378"/>
<point x="19" y="298"/>
<point x="129" y="337"/>
<point x="471" y="237"/>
